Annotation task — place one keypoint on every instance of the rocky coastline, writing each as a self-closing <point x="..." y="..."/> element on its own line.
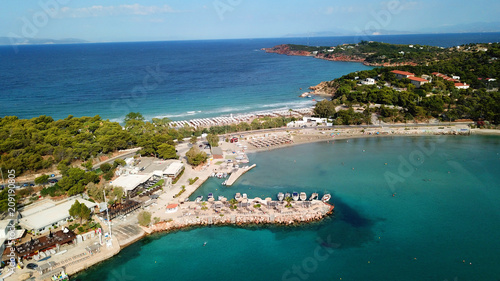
<point x="285" y="49"/>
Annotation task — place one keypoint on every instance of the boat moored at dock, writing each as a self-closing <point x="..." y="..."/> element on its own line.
<point x="295" y="196"/>
<point x="303" y="196"/>
<point x="237" y="196"/>
<point x="281" y="196"/>
<point x="326" y="197"/>
<point x="313" y="196"/>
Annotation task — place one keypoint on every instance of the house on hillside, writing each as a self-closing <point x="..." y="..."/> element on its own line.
<point x="462" y="86"/>
<point x="417" y="81"/>
<point x="402" y="74"/>
<point x="368" y="81"/>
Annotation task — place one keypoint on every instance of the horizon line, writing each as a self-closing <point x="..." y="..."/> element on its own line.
<point x="220" y="39"/>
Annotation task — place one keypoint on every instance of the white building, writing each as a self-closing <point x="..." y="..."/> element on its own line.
<point x="49" y="214"/>
<point x="461" y="86"/>
<point x="172" y="208"/>
<point x="368" y="81"/>
<point x="8" y="232"/>
<point x="131" y="183"/>
<point x="309" y="121"/>
<point x="173" y="170"/>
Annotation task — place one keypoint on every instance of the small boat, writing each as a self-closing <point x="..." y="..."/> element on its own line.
<point x="288" y="195"/>
<point x="204" y="244"/>
<point x="281" y="196"/>
<point x="303" y="196"/>
<point x="210" y="195"/>
<point x="220" y="197"/>
<point x="295" y="196"/>
<point x="224" y="182"/>
<point x="199" y="198"/>
<point x="313" y="196"/>
<point x="244" y="196"/>
<point x="186" y="200"/>
<point x="326" y="197"/>
<point x="237" y="196"/>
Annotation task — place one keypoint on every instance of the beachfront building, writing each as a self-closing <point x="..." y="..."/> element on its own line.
<point x="217" y="153"/>
<point x="173" y="170"/>
<point x="48" y="215"/>
<point x="172" y="208"/>
<point x="309" y="122"/>
<point x="418" y="82"/>
<point x="8" y="232"/>
<point x="132" y="184"/>
<point x="402" y="74"/>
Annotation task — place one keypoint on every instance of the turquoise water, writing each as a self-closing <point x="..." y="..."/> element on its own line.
<point x="441" y="223"/>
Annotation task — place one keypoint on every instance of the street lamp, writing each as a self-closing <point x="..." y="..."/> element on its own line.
<point x="107" y="213"/>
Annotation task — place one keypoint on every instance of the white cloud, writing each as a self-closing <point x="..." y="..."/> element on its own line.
<point x="101" y="11"/>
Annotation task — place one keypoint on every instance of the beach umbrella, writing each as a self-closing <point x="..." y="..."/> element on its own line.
<point x="269" y="199"/>
<point x="211" y="200"/>
<point x="257" y="199"/>
<point x="240" y="199"/>
<point x="224" y="199"/>
<point x="244" y="200"/>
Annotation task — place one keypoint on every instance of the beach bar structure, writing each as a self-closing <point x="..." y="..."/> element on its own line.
<point x="173" y="170"/>
<point x="50" y="214"/>
<point x="36" y="245"/>
<point x="118" y="209"/>
<point x="132" y="184"/>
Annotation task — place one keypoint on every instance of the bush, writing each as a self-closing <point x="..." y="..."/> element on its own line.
<point x="191" y="181"/>
<point x="178" y="177"/>
<point x="81" y="229"/>
<point x="144" y="218"/>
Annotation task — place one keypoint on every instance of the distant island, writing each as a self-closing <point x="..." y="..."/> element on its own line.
<point x="38" y="41"/>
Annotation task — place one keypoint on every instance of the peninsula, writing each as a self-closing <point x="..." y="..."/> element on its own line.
<point x="372" y="53"/>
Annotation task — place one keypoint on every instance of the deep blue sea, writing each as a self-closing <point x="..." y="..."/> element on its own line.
<point x="441" y="224"/>
<point x="175" y="79"/>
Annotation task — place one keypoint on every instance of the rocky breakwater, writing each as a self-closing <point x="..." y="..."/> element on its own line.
<point x="298" y="213"/>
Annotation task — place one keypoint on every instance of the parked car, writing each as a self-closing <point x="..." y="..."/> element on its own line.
<point x="32" y="266"/>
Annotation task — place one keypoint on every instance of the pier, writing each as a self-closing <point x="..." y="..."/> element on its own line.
<point x="238" y="173"/>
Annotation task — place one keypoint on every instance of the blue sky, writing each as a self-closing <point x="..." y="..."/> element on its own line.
<point x="134" y="20"/>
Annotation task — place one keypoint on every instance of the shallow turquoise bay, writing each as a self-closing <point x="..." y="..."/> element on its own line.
<point x="441" y="223"/>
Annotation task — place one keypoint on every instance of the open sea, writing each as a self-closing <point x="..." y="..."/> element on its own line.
<point x="176" y="79"/>
<point x="407" y="208"/>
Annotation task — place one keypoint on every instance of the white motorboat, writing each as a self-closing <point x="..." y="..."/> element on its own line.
<point x="303" y="196"/>
<point x="326" y="197"/>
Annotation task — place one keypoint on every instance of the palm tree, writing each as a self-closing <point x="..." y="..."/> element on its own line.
<point x="288" y="200"/>
<point x="233" y="203"/>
